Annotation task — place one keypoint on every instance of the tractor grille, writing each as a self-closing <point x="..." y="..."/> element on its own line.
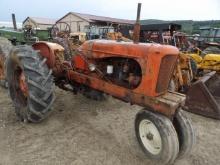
<point x="165" y="72"/>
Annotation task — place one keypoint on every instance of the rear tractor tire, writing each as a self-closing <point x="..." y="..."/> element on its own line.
<point x="186" y="133"/>
<point x="30" y="84"/>
<point x="157" y="137"/>
<point x="5" y="48"/>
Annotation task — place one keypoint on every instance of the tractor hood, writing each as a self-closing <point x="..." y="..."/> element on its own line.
<point x="157" y="61"/>
<point x="109" y="48"/>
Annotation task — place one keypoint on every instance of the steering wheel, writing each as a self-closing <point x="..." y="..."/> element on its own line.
<point x="60" y="29"/>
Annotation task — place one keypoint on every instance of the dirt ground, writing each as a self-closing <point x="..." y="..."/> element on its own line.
<point x="84" y="132"/>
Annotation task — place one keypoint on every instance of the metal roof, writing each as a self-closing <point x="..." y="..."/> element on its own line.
<point x="161" y="26"/>
<point x="94" y="18"/>
<point x="44" y="21"/>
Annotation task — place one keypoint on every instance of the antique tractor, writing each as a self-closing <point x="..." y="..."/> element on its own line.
<point x="135" y="73"/>
<point x="132" y="72"/>
<point x="29" y="34"/>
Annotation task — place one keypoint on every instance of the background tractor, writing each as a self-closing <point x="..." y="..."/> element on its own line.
<point x="132" y="72"/>
<point x="209" y="40"/>
<point x="27" y="35"/>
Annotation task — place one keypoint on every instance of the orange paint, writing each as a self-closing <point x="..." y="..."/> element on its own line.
<point x="156" y="61"/>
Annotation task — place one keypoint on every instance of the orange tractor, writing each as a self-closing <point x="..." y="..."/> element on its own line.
<point x="132" y="72"/>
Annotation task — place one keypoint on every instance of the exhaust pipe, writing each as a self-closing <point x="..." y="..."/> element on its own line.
<point x="14" y="21"/>
<point x="137" y="26"/>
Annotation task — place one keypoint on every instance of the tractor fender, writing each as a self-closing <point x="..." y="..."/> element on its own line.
<point x="48" y="50"/>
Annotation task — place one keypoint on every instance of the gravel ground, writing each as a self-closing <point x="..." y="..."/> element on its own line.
<point x="80" y="131"/>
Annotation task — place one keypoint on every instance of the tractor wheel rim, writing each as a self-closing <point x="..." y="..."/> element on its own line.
<point x="150" y="137"/>
<point x="22" y="84"/>
<point x="2" y="76"/>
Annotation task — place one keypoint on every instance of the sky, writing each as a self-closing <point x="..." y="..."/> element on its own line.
<point x="127" y="9"/>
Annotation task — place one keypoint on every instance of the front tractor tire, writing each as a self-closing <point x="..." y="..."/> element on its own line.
<point x="30" y="84"/>
<point x="157" y="137"/>
<point x="186" y="133"/>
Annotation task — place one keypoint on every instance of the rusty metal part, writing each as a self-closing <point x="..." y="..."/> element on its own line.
<point x="137" y="26"/>
<point x="149" y="57"/>
<point x="203" y="97"/>
<point x="150" y="85"/>
<point x="14" y="22"/>
<point x="165" y="67"/>
<point x="149" y="89"/>
<point x="16" y="79"/>
<point x="22" y="84"/>
<point x="48" y="50"/>
<point x="183" y="74"/>
<point x="165" y="104"/>
<point x="179" y="76"/>
<point x="54" y="54"/>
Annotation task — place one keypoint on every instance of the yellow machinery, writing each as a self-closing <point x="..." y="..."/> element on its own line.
<point x="208" y="62"/>
<point x="117" y="36"/>
<point x="183" y="75"/>
<point x="203" y="91"/>
<point x="79" y="37"/>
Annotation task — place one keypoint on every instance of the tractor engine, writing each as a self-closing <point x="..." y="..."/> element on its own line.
<point x="125" y="72"/>
<point x="121" y="71"/>
<point x="145" y="68"/>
